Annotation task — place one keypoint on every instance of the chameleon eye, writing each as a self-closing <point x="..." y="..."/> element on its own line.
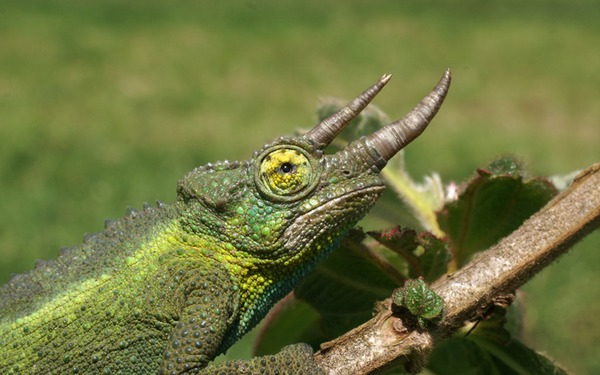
<point x="286" y="173"/>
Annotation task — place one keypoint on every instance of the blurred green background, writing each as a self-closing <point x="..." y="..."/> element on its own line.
<point x="105" y="104"/>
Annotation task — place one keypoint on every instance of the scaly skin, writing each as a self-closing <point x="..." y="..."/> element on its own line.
<point x="167" y="289"/>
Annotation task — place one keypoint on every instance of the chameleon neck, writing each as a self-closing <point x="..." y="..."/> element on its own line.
<point x="254" y="307"/>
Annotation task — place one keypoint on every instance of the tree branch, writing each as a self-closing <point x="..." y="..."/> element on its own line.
<point x="466" y="293"/>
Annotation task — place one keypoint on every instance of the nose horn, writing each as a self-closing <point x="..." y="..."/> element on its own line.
<point x="393" y="137"/>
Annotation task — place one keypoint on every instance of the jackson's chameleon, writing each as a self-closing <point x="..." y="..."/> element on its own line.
<point x="168" y="288"/>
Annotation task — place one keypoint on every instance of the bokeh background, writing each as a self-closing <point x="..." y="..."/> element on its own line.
<point x="106" y="104"/>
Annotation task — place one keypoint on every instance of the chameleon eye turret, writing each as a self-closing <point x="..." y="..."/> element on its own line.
<point x="286" y="173"/>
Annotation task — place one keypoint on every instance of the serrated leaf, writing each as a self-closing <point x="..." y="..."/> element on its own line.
<point x="490" y="207"/>
<point x="426" y="255"/>
<point x="506" y="165"/>
<point x="342" y="298"/>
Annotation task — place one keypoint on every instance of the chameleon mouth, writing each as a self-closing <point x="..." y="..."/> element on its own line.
<point x="304" y="229"/>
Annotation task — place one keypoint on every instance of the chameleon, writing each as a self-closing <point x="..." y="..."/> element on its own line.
<point x="166" y="289"/>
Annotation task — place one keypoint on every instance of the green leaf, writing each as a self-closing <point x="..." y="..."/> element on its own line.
<point x="427" y="256"/>
<point x="343" y="289"/>
<point x="457" y="355"/>
<point x="492" y="205"/>
<point x="296" y="319"/>
<point x="473" y="355"/>
<point x="490" y="349"/>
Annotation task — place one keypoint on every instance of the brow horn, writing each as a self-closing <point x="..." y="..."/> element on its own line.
<point x="324" y="132"/>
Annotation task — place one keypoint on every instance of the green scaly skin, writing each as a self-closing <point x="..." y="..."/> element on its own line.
<point x="165" y="290"/>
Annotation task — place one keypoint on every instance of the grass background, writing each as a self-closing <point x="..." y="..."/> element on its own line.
<point x="105" y="104"/>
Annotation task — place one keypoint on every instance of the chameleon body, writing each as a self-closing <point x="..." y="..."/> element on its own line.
<point x="168" y="288"/>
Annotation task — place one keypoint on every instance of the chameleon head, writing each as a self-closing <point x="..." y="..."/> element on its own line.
<point x="291" y="196"/>
<point x="278" y="213"/>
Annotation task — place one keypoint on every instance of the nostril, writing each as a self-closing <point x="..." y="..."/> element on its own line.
<point x="346" y="172"/>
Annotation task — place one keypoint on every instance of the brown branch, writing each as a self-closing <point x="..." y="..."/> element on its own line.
<point x="496" y="272"/>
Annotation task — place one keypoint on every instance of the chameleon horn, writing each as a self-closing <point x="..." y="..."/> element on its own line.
<point x="393" y="137"/>
<point x="324" y="132"/>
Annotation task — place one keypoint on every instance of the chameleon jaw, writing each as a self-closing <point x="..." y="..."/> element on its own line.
<point x="298" y="234"/>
